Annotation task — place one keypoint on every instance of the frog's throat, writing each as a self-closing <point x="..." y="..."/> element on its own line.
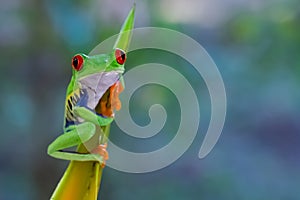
<point x="96" y="85"/>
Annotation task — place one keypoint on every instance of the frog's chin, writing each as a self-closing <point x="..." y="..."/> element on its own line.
<point x="97" y="85"/>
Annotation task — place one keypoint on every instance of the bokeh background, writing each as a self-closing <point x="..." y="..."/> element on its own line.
<point x="256" y="46"/>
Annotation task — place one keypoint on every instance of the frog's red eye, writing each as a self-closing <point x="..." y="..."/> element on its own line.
<point x="120" y="56"/>
<point x="77" y="62"/>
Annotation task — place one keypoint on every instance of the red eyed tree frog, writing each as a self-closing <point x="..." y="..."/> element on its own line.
<point x="91" y="99"/>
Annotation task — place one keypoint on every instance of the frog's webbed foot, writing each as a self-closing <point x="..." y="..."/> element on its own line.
<point x="101" y="150"/>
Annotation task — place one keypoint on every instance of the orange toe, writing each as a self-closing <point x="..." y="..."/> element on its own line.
<point x="101" y="150"/>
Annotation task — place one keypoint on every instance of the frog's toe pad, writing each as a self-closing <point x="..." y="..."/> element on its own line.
<point x="101" y="150"/>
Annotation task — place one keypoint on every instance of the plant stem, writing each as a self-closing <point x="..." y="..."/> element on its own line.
<point x="81" y="180"/>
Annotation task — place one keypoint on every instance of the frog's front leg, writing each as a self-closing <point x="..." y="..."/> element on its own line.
<point x="90" y="116"/>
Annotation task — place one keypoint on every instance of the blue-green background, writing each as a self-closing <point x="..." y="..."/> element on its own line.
<point x="256" y="46"/>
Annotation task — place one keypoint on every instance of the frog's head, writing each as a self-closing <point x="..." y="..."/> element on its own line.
<point x="85" y="66"/>
<point x="97" y="71"/>
<point x="99" y="75"/>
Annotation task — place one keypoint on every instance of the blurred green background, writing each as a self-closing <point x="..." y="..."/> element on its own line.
<point x="256" y="46"/>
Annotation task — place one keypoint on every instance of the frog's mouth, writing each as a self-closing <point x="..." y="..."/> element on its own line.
<point x="109" y="102"/>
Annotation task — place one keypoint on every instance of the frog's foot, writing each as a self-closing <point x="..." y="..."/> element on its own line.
<point x="101" y="150"/>
<point x="110" y="101"/>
